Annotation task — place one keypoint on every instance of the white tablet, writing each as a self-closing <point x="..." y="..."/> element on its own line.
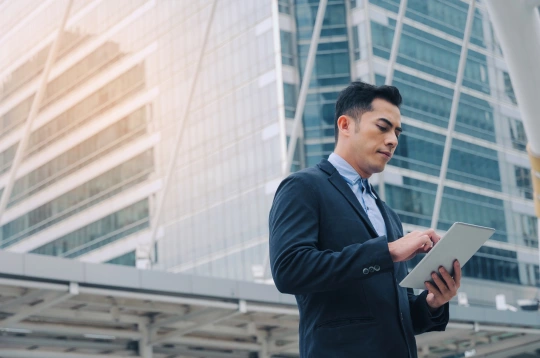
<point x="460" y="242"/>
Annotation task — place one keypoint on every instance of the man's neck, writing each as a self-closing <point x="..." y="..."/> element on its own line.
<point x="348" y="158"/>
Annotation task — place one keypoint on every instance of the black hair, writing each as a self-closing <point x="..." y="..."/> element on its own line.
<point x="357" y="97"/>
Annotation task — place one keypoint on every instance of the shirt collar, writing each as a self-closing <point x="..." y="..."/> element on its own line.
<point x="348" y="173"/>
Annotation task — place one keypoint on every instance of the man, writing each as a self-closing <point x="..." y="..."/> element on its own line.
<point x="341" y="250"/>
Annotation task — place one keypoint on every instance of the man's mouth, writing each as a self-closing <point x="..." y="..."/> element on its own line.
<point x="388" y="154"/>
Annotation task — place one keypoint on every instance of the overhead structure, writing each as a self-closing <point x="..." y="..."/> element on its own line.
<point x="54" y="307"/>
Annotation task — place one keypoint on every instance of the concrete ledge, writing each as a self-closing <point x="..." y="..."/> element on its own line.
<point x="56" y="269"/>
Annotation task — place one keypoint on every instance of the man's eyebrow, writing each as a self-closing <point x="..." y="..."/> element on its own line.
<point x="399" y="129"/>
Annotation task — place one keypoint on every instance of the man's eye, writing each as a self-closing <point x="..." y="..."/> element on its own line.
<point x="382" y="128"/>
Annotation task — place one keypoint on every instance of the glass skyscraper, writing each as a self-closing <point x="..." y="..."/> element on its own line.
<point x="99" y="149"/>
<point x="98" y="154"/>
<point x="87" y="173"/>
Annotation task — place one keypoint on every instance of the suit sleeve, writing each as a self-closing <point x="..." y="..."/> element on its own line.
<point x="298" y="266"/>
<point x="422" y="318"/>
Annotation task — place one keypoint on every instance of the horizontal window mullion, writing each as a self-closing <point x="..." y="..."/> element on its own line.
<point x="75" y="251"/>
<point x="79" y="206"/>
<point x="77" y="165"/>
<point x="40" y="145"/>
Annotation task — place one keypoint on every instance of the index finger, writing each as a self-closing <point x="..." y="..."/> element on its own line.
<point x="433" y="236"/>
<point x="457" y="273"/>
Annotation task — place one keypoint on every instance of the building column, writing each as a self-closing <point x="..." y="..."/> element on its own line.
<point x="145" y="348"/>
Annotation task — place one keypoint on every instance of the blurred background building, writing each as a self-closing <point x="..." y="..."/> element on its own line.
<point x="116" y="171"/>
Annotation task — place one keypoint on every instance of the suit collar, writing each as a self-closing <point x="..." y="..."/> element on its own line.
<point x="327" y="167"/>
<point x="341" y="185"/>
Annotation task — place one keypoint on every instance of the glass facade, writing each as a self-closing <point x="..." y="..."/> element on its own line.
<point x="488" y="179"/>
<point x="90" y="155"/>
<point x="101" y="143"/>
<point x="125" y="259"/>
<point x="111" y="228"/>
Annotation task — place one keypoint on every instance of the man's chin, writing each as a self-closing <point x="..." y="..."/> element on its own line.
<point x="376" y="170"/>
<point x="379" y="169"/>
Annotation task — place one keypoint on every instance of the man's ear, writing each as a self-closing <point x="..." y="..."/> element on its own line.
<point x="345" y="125"/>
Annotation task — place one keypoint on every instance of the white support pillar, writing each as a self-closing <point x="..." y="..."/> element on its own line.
<point x="178" y="138"/>
<point x="34" y="109"/>
<point x="517" y="26"/>
<point x="297" y="124"/>
<point x="264" y="340"/>
<point x="145" y="348"/>
<point x="453" y="115"/>
<point x="390" y="72"/>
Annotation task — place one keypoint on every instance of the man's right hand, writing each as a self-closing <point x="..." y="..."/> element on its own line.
<point x="411" y="244"/>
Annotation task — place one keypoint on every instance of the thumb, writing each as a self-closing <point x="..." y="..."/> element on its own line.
<point x="430" y="297"/>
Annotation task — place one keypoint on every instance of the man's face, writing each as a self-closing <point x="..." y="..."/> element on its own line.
<point x="374" y="138"/>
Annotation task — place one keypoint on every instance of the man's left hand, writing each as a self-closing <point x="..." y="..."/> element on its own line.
<point x="445" y="286"/>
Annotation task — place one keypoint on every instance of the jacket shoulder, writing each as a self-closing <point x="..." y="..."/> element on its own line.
<point x="303" y="181"/>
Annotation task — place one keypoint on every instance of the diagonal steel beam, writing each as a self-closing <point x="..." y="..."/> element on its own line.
<point x="34" y="109"/>
<point x="80" y="343"/>
<point x="275" y="349"/>
<point x="25" y="353"/>
<point x="200" y="324"/>
<point x="186" y="317"/>
<point x="18" y="300"/>
<point x="50" y="301"/>
<point x="76" y="330"/>
<point x="453" y="115"/>
<point x="310" y="62"/>
<point x="178" y="138"/>
<point x="390" y="72"/>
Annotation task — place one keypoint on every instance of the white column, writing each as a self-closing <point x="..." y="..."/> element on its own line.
<point x="517" y="26"/>
<point x="145" y="347"/>
<point x="453" y="115"/>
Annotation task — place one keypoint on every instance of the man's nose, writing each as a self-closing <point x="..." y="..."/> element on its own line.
<point x="392" y="140"/>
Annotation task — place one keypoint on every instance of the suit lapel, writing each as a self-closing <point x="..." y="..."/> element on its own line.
<point x="341" y="185"/>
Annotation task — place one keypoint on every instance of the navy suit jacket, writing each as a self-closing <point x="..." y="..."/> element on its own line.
<point x="325" y="251"/>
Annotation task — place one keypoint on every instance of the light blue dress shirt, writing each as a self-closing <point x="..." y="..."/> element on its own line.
<point x="362" y="189"/>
